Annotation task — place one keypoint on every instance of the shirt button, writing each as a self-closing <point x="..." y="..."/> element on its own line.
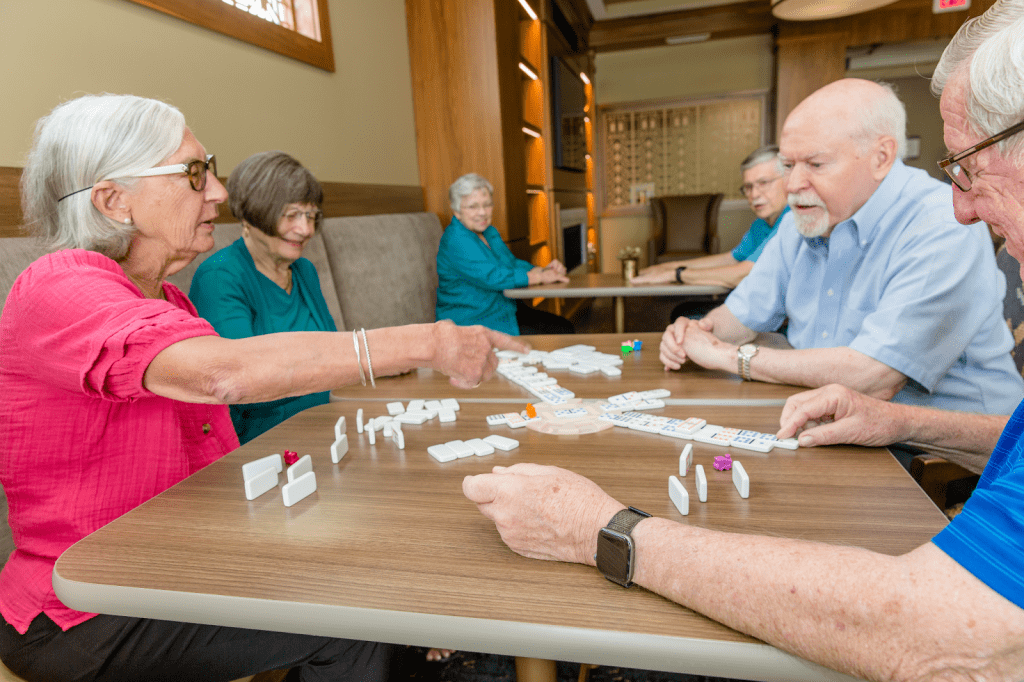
<point x="829" y="292"/>
<point x="824" y="335"/>
<point x="207" y="428"/>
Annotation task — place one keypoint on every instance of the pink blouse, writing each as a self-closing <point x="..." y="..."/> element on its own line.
<point x="81" y="440"/>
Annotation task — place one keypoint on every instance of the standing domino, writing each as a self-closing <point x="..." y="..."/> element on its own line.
<point x="702" y="483"/>
<point x="686" y="460"/>
<point x="339" y="448"/>
<point x="680" y="498"/>
<point x="258" y="466"/>
<point x="372" y="433"/>
<point x="300" y="468"/>
<point x="260" y="483"/>
<point x="740" y="479"/>
<point x="301" y="487"/>
<point x="399" y="438"/>
<point x="359" y="420"/>
<point x="339" y="428"/>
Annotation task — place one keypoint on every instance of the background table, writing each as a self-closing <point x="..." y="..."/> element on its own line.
<point x="604" y="285"/>
<point x="640" y="371"/>
<point x="389" y="549"/>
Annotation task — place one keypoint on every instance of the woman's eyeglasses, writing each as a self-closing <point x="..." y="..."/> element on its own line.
<point x="195" y="170"/>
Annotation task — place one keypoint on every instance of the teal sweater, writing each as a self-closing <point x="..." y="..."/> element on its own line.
<point x="240" y="302"/>
<point x="471" y="277"/>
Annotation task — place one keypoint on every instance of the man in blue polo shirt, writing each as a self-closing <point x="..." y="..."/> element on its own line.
<point x="883" y="291"/>
<point x="764" y="189"/>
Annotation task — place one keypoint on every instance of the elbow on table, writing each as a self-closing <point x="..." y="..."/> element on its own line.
<point x="883" y="385"/>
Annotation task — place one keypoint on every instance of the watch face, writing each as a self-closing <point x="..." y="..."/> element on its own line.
<point x="614" y="554"/>
<point x="748" y="349"/>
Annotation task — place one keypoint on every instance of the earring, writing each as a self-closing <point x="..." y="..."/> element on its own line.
<point x="127" y="221"/>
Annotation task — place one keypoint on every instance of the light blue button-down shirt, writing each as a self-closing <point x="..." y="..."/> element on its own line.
<point x="902" y="282"/>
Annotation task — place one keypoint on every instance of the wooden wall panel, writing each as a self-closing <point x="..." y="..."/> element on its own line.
<point x="806" y="64"/>
<point x="340" y="199"/>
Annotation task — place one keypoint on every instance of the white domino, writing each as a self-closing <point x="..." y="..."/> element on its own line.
<point x="702" y="483"/>
<point x="359" y="420"/>
<point x="460" y="448"/>
<point x="480" y="448"/>
<point x="501" y="442"/>
<point x="395" y="409"/>
<point x="751" y="443"/>
<point x="515" y="420"/>
<point x="301" y="487"/>
<point x="260" y="483"/>
<point x="300" y="468"/>
<point x="256" y="467"/>
<point x="441" y="452"/>
<point x="399" y="438"/>
<point x="445" y="415"/>
<point x="411" y="417"/>
<point x="582" y="368"/>
<point x="434" y="405"/>
<point x="339" y="428"/>
<point x="740" y="479"/>
<point x="450" y="404"/>
<point x="496" y="419"/>
<point x="373" y="436"/>
<point x="339" y="449"/>
<point x="415" y="405"/>
<point x="686" y="460"/>
<point x="571" y="412"/>
<point x="787" y="443"/>
<point x="611" y="371"/>
<point x="677" y="493"/>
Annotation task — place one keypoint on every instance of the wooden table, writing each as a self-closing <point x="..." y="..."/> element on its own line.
<point x="389" y="549"/>
<point x="611" y="285"/>
<point x="641" y="371"/>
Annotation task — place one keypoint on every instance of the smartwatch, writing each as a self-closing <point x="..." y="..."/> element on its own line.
<point x="743" y="356"/>
<point x="679" y="273"/>
<point x="616" y="553"/>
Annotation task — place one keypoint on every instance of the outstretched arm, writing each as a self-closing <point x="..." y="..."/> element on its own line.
<point x="919" y="616"/>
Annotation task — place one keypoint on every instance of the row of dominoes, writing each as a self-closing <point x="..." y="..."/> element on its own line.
<point x="699" y="430"/>
<point x="457" y="449"/>
<point x="418" y="412"/>
<point x="538" y="383"/>
<point x="515" y="420"/>
<point x="579" y="359"/>
<point x="636" y="400"/>
<point x="261" y="476"/>
<point x="677" y="492"/>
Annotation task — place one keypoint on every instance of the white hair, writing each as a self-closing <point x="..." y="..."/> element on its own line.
<point x="80" y="143"/>
<point x="464" y="186"/>
<point x="761" y="155"/>
<point x="884" y="116"/>
<point x="991" y="47"/>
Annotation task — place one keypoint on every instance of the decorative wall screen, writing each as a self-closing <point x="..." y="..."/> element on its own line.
<point x="680" y="148"/>
<point x="297" y="15"/>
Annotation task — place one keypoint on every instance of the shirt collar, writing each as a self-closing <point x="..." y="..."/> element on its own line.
<point x="865" y="221"/>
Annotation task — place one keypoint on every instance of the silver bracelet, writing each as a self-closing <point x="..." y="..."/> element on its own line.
<point x="369" y="365"/>
<point x="359" y="362"/>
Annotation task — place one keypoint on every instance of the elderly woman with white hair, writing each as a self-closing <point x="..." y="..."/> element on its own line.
<point x="114" y="390"/>
<point x="474" y="266"/>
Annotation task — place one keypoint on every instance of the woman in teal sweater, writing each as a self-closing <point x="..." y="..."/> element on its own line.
<point x="260" y="284"/>
<point x="474" y="266"/>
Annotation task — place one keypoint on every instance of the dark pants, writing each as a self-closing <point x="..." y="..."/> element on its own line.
<point x="532" y="321"/>
<point x="114" y="648"/>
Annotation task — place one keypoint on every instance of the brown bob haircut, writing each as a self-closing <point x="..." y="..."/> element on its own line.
<point x="261" y="186"/>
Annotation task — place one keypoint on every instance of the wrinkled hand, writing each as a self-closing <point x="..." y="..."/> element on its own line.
<point x="556" y="266"/>
<point x="704" y="348"/>
<point x="673" y="350"/>
<point x="466" y="354"/>
<point x="543" y="512"/>
<point x="836" y="414"/>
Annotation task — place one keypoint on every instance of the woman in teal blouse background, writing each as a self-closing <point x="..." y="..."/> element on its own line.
<point x="474" y="266"/>
<point x="260" y="284"/>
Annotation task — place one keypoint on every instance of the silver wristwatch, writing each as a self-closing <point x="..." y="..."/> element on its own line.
<point x="743" y="356"/>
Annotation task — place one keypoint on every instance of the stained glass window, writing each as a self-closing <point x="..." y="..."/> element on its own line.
<point x="680" y="148"/>
<point x="295" y="15"/>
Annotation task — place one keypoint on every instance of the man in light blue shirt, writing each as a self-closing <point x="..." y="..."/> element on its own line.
<point x="884" y="291"/>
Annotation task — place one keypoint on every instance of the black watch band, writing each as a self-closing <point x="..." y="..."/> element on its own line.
<point x="679" y="273"/>
<point x="625" y="520"/>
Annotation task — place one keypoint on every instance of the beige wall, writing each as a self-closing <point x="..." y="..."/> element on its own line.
<point x="684" y="71"/>
<point x="924" y="121"/>
<point x="353" y="125"/>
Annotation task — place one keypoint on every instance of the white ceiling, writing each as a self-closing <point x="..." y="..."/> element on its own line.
<point x="633" y="8"/>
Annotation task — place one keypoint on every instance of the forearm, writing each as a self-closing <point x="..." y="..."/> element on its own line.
<point x="726" y="275"/>
<point x="211" y="369"/>
<point x="963" y="431"/>
<point x="865" y="614"/>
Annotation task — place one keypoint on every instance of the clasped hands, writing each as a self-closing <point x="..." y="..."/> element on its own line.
<point x="687" y="339"/>
<point x="552" y="273"/>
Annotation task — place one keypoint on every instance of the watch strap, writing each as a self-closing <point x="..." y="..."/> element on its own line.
<point x="625" y="520"/>
<point x="679" y="273"/>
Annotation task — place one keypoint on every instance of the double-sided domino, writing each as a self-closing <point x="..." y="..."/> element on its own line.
<point x="395" y="409"/>
<point x="677" y="493"/>
<point x="655" y="394"/>
<point x="303" y="466"/>
<point x="496" y="419"/>
<point x="339" y="428"/>
<point x="515" y="420"/>
<point x="441" y="452"/>
<point x="301" y="487"/>
<point x="685" y="460"/>
<point x="702" y="483"/>
<point x="339" y="448"/>
<point x="501" y="442"/>
<point x="571" y="412"/>
<point x="480" y="447"/>
<point x="740" y="479"/>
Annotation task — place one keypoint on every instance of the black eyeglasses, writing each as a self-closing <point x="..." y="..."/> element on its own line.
<point x="957" y="173"/>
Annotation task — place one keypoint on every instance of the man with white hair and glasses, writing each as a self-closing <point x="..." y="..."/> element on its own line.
<point x="951" y="609"/>
<point x="883" y="291"/>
